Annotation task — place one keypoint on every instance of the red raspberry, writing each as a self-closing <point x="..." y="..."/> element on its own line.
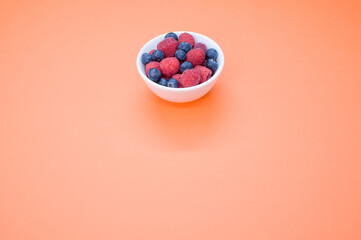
<point x="205" y="73"/>
<point x="196" y="56"/>
<point x="169" y="66"/>
<point x="186" y="37"/>
<point x="201" y="46"/>
<point x="190" y="78"/>
<point x="177" y="76"/>
<point x="168" y="46"/>
<point x="150" y="53"/>
<point x="152" y="65"/>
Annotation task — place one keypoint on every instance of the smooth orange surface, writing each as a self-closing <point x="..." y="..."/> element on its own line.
<point x="273" y="152"/>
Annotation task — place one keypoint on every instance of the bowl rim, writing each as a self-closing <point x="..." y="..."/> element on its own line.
<point x="209" y="81"/>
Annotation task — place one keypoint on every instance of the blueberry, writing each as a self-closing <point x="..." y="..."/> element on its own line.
<point x="157" y="55"/>
<point x="154" y="74"/>
<point x="184" y="66"/>
<point x="180" y="55"/>
<point x="146" y="58"/>
<point x="173" y="83"/>
<point x="171" y="34"/>
<point x="163" y="82"/>
<point x="211" y="54"/>
<point x="211" y="64"/>
<point x="186" y="47"/>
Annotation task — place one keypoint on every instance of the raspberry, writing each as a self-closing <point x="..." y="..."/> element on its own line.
<point x="169" y="66"/>
<point x="190" y="78"/>
<point x="168" y="46"/>
<point x="201" y="46"/>
<point x="205" y="73"/>
<point x="152" y="65"/>
<point x="196" y="56"/>
<point x="177" y="77"/>
<point x="186" y="37"/>
<point x="150" y="53"/>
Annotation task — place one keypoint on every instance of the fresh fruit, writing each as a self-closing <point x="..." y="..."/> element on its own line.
<point x="168" y="46"/>
<point x="146" y="58"/>
<point x="172" y="35"/>
<point x="196" y="56"/>
<point x="185" y="46"/>
<point x="211" y="54"/>
<point x="163" y="82"/>
<point x="152" y="65"/>
<point x="154" y="74"/>
<point x="205" y="73"/>
<point x="173" y="83"/>
<point x="186" y="37"/>
<point x="184" y="66"/>
<point x="181" y="55"/>
<point x="180" y="62"/>
<point x="157" y="55"/>
<point x="211" y="64"/>
<point x="177" y="77"/>
<point x="190" y="78"/>
<point x="201" y="46"/>
<point x="169" y="66"/>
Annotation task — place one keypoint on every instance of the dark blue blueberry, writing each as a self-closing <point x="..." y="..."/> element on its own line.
<point x="146" y="58"/>
<point x="211" y="64"/>
<point x="157" y="55"/>
<point x="184" y="66"/>
<point x="163" y="82"/>
<point x="211" y="54"/>
<point x="173" y="83"/>
<point x="186" y="47"/>
<point x="180" y="55"/>
<point x="171" y="34"/>
<point x="154" y="74"/>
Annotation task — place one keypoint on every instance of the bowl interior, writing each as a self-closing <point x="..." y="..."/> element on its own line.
<point x="152" y="44"/>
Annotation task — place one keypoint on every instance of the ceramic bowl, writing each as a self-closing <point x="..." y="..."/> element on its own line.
<point x="180" y="94"/>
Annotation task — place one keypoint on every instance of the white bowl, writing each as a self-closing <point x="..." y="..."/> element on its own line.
<point x="180" y="94"/>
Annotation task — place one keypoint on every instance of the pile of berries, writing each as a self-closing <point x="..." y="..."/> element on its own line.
<point x="180" y="62"/>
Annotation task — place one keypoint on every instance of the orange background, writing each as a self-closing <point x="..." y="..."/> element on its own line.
<point x="88" y="152"/>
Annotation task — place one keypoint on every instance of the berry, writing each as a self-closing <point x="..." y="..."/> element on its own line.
<point x="168" y="46"/>
<point x="177" y="77"/>
<point x="157" y="55"/>
<point x="205" y="73"/>
<point x="154" y="74"/>
<point x="201" y="46"/>
<point x="186" y="37"/>
<point x="184" y="66"/>
<point x="163" y="82"/>
<point x="181" y="55"/>
<point x="186" y="47"/>
<point x="171" y="34"/>
<point x="152" y="65"/>
<point x="173" y="83"/>
<point x="211" y="54"/>
<point x="146" y="58"/>
<point x="211" y="64"/>
<point x="169" y="66"/>
<point x="190" y="78"/>
<point x="151" y="52"/>
<point x="196" y="56"/>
